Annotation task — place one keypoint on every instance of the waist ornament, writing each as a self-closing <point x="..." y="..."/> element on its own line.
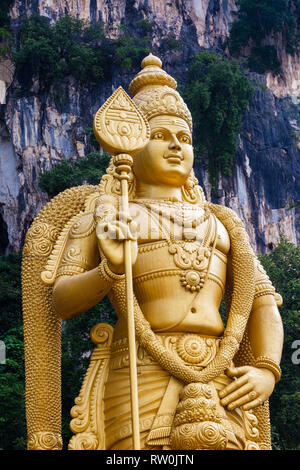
<point x="195" y="350"/>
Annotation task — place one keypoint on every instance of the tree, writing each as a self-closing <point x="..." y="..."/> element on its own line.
<point x="70" y="47"/>
<point x="255" y="21"/>
<point x="66" y="174"/>
<point x="12" y="418"/>
<point x="283" y="266"/>
<point x="217" y="92"/>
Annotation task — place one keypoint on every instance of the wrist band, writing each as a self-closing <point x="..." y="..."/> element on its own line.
<point x="263" y="362"/>
<point x="106" y="273"/>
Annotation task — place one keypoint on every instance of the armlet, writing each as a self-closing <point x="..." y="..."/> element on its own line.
<point x="263" y="285"/>
<point x="69" y="255"/>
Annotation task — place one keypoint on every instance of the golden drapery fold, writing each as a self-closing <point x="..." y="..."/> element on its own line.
<point x="158" y="398"/>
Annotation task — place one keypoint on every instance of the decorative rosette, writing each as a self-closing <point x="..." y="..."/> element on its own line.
<point x="197" y="424"/>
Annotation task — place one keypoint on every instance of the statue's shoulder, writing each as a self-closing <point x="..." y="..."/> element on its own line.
<point x="224" y="212"/>
<point x="223" y="238"/>
<point x="228" y="217"/>
<point x="71" y="212"/>
<point x="83" y="226"/>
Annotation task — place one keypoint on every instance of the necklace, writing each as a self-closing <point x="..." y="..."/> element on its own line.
<point x="191" y="253"/>
<point x="157" y="201"/>
<point x="179" y="214"/>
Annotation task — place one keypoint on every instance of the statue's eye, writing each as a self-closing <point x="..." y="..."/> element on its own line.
<point x="158" y="136"/>
<point x="185" y="139"/>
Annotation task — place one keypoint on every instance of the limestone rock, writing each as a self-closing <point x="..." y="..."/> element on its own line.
<point x="35" y="133"/>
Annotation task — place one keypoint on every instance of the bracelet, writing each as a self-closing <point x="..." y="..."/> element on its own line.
<point x="264" y="362"/>
<point x="106" y="273"/>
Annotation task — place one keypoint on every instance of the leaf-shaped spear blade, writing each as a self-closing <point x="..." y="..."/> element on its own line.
<point x="119" y="126"/>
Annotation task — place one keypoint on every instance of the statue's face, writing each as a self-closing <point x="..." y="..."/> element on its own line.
<point x="168" y="157"/>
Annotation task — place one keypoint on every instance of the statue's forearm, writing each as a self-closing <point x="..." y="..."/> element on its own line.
<point x="73" y="295"/>
<point x="265" y="329"/>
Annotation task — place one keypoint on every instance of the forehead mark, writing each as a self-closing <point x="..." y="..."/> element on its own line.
<point x="169" y="124"/>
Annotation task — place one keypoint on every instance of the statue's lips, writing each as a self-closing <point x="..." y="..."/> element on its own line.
<point x="174" y="158"/>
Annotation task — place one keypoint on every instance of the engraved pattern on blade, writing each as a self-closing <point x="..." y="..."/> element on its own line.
<point x="119" y="126"/>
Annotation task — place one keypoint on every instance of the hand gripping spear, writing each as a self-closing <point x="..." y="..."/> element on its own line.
<point x="123" y="131"/>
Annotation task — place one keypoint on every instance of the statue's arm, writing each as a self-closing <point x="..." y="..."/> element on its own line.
<point x="265" y="329"/>
<point x="254" y="384"/>
<point x="76" y="294"/>
<point x="80" y="283"/>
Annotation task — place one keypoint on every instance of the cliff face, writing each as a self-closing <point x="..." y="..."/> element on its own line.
<point x="35" y="132"/>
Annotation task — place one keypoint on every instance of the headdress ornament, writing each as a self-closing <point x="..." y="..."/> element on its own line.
<point x="154" y="92"/>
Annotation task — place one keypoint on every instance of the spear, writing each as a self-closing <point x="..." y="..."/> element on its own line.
<point x="123" y="131"/>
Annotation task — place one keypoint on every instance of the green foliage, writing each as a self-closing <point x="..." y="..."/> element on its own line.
<point x="5" y="33"/>
<point x="10" y="292"/>
<point x="283" y="265"/>
<point x="63" y="175"/>
<point x="257" y="19"/>
<point x="217" y="92"/>
<point x="129" y="50"/>
<point x="70" y="47"/>
<point x="73" y="47"/>
<point x="145" y="25"/>
<point x="170" y="42"/>
<point x="12" y="390"/>
<point x="12" y="415"/>
<point x="4" y="13"/>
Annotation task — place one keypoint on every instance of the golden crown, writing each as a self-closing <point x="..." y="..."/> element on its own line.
<point x="154" y="92"/>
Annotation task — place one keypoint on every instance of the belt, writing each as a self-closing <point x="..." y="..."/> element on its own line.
<point x="194" y="349"/>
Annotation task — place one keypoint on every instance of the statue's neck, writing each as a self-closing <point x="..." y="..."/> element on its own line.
<point x="150" y="191"/>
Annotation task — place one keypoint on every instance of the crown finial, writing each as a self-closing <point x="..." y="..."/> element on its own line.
<point x="151" y="60"/>
<point x="151" y="74"/>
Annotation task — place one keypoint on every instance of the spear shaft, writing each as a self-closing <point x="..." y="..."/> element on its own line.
<point x="123" y="163"/>
<point x="123" y="131"/>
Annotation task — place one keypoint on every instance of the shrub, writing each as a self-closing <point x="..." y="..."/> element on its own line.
<point x="63" y="175"/>
<point x="129" y="50"/>
<point x="73" y="47"/>
<point x="5" y="33"/>
<point x="282" y="265"/>
<point x="256" y="20"/>
<point x="217" y="92"/>
<point x="70" y="47"/>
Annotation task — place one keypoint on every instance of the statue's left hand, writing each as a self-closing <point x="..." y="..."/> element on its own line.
<point x="251" y="387"/>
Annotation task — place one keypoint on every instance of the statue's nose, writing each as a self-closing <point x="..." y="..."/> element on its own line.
<point x="174" y="143"/>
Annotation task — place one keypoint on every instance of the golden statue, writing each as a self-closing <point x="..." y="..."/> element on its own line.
<point x="192" y="383"/>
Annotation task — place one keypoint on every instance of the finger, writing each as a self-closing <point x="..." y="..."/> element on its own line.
<point x="237" y="371"/>
<point x="253" y="404"/>
<point x="233" y="386"/>
<point x="132" y="231"/>
<point x="237" y="394"/>
<point x="105" y="230"/>
<point x="242" y="400"/>
<point x="124" y="217"/>
<point x="121" y="231"/>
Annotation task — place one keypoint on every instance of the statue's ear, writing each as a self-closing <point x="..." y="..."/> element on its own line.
<point x="192" y="192"/>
